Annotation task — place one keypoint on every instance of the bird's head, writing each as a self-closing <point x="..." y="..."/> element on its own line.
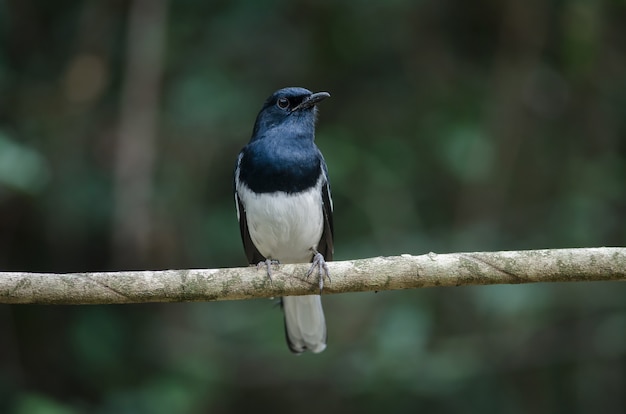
<point x="295" y="107"/>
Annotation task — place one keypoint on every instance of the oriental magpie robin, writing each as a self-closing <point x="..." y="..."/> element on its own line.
<point x="284" y="206"/>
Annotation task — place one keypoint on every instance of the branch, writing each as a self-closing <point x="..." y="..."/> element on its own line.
<point x="378" y="273"/>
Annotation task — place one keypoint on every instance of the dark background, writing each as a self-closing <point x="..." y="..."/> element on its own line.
<point x="453" y="126"/>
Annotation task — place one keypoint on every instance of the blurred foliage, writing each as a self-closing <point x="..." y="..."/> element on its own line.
<point x="452" y="126"/>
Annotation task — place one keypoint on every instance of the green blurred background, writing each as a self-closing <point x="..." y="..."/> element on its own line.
<point x="453" y="126"/>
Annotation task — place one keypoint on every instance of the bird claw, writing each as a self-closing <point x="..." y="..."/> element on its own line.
<point x="267" y="263"/>
<point x="319" y="263"/>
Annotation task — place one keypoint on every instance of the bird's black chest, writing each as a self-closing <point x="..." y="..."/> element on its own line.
<point x="270" y="168"/>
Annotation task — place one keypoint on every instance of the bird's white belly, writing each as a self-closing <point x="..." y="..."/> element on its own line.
<point x="284" y="227"/>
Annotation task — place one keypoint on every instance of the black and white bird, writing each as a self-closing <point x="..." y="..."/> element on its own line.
<point x="284" y="206"/>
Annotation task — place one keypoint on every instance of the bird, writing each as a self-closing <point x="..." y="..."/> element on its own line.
<point x="284" y="205"/>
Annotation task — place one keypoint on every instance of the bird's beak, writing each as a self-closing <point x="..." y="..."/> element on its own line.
<point x="311" y="100"/>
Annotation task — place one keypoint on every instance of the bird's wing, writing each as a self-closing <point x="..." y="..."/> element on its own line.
<point x="325" y="245"/>
<point x="252" y="253"/>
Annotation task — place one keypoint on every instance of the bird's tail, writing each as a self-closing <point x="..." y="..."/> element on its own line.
<point x="305" y="326"/>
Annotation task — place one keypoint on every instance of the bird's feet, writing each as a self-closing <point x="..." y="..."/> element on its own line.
<point x="267" y="263"/>
<point x="318" y="263"/>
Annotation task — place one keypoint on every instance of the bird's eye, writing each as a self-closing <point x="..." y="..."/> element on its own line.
<point x="283" y="103"/>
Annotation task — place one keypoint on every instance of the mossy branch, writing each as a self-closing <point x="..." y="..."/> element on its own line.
<point x="373" y="274"/>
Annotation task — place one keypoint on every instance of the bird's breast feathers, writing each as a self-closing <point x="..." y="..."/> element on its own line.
<point x="284" y="226"/>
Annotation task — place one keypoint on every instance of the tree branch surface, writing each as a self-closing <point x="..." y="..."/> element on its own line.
<point x="372" y="274"/>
